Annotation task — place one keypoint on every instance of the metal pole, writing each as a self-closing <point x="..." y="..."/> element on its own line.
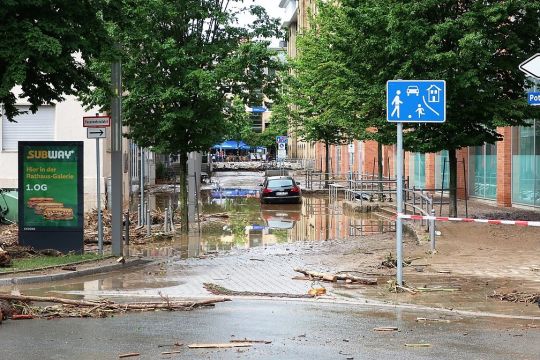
<point x="432" y="231"/>
<point x="399" y="199"/>
<point x="148" y="223"/>
<point x="141" y="190"/>
<point x="116" y="160"/>
<point x="442" y="186"/>
<point x="139" y="216"/>
<point x="98" y="190"/>
<point x="126" y="227"/>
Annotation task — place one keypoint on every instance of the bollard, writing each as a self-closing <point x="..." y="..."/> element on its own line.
<point x="171" y="219"/>
<point x="145" y="211"/>
<point x="139" y="215"/>
<point x="126" y="227"/>
<point x="148" y="223"/>
<point x="166" y="220"/>
<point x="432" y="231"/>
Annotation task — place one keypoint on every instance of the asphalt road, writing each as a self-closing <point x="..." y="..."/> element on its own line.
<point x="298" y="330"/>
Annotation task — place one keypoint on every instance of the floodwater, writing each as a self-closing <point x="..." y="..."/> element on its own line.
<point x="232" y="217"/>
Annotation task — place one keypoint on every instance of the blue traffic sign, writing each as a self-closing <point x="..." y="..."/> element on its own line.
<point x="419" y="101"/>
<point x="281" y="139"/>
<point x="533" y="98"/>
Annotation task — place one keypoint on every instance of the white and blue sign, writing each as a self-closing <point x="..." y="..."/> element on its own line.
<point x="419" y="101"/>
<point x="282" y="139"/>
<point x="533" y="98"/>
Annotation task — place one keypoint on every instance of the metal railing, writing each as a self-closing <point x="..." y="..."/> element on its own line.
<point x="415" y="201"/>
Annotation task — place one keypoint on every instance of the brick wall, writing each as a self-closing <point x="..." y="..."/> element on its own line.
<point x="504" y="168"/>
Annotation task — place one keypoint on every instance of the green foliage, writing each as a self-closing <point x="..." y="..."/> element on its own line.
<point x="181" y="62"/>
<point x="238" y="122"/>
<point x="45" y="46"/>
<point x="315" y="97"/>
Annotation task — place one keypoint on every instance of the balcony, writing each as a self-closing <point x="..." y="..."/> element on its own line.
<point x="289" y="12"/>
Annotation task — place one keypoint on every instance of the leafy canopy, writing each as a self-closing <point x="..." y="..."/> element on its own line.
<point x="182" y="61"/>
<point x="44" y="46"/>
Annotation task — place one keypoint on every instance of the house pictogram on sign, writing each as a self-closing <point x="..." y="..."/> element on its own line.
<point x="434" y="93"/>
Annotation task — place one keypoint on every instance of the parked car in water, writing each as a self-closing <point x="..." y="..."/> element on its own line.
<point x="280" y="189"/>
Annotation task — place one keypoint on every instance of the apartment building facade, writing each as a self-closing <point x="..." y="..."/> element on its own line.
<point x="506" y="173"/>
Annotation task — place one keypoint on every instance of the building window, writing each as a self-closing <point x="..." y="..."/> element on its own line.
<point x="29" y="127"/>
<point x="526" y="164"/>
<point x="442" y="176"/>
<point x="483" y="171"/>
<point x="417" y="170"/>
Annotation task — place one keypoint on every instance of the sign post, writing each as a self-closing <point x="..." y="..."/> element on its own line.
<point x="282" y="147"/>
<point x="411" y="101"/>
<point x="95" y="132"/>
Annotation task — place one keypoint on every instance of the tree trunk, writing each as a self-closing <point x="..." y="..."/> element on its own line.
<point x="327" y="159"/>
<point x="183" y="196"/>
<point x="453" y="209"/>
<point x="380" y="169"/>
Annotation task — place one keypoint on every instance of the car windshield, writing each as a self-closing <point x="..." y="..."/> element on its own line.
<point x="280" y="183"/>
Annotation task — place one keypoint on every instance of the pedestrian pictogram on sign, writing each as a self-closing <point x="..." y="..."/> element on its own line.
<point x="416" y="101"/>
<point x="281" y="139"/>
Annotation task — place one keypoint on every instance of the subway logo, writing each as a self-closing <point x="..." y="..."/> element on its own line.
<point x="50" y="154"/>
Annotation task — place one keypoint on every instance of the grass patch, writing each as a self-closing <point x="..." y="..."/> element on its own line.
<point x="39" y="262"/>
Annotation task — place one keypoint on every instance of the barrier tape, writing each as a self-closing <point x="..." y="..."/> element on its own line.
<point x="483" y="221"/>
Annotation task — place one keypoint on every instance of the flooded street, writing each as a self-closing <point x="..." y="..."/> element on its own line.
<point x="241" y="245"/>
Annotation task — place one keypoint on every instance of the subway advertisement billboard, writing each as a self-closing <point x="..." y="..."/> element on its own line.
<point x="51" y="209"/>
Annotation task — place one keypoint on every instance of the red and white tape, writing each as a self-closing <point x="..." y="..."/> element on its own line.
<point x="483" y="221"/>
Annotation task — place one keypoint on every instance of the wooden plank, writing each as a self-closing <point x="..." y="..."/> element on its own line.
<point x="219" y="345"/>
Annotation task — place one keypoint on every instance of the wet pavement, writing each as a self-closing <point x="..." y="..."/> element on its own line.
<point x="297" y="330"/>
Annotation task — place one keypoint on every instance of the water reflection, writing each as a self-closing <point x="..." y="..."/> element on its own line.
<point x="235" y="219"/>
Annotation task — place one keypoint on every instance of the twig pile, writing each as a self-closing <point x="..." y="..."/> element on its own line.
<point x="9" y="234"/>
<point x="516" y="297"/>
<point x="81" y="308"/>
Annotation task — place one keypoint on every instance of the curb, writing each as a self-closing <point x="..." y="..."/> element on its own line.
<point x="73" y="274"/>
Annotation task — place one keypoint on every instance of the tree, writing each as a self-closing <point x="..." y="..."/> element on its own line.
<point x="474" y="45"/>
<point x="239" y="126"/>
<point x="181" y="62"/>
<point x="317" y="93"/>
<point x="44" y="49"/>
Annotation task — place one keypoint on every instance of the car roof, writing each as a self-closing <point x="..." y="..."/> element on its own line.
<point x="278" y="177"/>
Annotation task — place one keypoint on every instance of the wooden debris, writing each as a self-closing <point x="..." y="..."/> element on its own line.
<point x="219" y="346"/>
<point x="317" y="291"/>
<point x="426" y="289"/>
<point x="170" y="352"/>
<point x="129" y="355"/>
<point x="69" y="268"/>
<point x="220" y="290"/>
<point x="318" y="275"/>
<point x="251" y="341"/>
<point x="421" y="319"/>
<point x="5" y="259"/>
<point x="516" y="296"/>
<point x="82" y="308"/>
<point x="335" y="277"/>
<point x="386" y="328"/>
<point x="22" y="317"/>
<point x="424" y="345"/>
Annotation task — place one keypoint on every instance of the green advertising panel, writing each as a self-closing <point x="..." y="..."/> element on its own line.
<point x="50" y="188"/>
